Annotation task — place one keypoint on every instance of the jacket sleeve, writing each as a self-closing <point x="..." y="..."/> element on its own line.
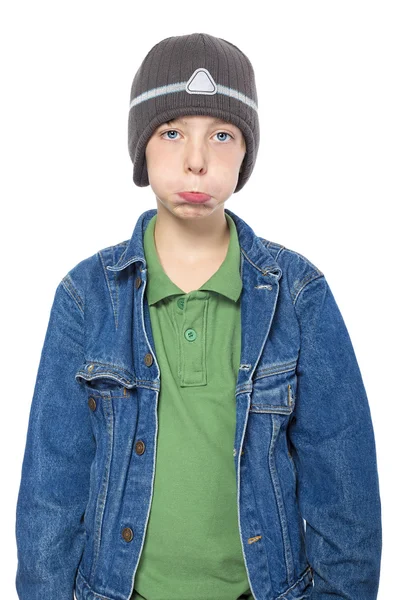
<point x="333" y="446"/>
<point x="59" y="449"/>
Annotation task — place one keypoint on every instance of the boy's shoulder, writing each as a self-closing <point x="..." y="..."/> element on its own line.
<point x="297" y="269"/>
<point x="90" y="270"/>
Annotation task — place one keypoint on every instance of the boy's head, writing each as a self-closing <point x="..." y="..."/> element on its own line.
<point x="197" y="79"/>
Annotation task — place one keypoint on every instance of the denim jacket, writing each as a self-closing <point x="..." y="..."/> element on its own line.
<point x="308" y="501"/>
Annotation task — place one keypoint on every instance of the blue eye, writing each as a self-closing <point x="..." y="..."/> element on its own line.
<point x="223" y="132"/>
<point x="170" y="131"/>
<point x="174" y="131"/>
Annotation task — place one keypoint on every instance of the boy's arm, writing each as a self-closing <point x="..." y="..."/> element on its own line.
<point x="59" y="450"/>
<point x="333" y="446"/>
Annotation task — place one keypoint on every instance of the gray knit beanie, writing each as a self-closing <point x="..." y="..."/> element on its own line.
<point x="196" y="74"/>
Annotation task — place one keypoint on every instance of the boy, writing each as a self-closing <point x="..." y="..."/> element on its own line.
<point x="199" y="428"/>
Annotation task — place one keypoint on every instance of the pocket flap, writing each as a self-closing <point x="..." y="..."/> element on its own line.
<point x="104" y="375"/>
<point x="274" y="388"/>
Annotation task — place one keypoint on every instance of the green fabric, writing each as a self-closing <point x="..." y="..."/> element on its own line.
<point x="192" y="546"/>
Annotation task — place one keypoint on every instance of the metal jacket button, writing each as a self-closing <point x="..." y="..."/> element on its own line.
<point x="92" y="403"/>
<point x="148" y="359"/>
<point x="127" y="534"/>
<point x="140" y="447"/>
<point x="138" y="282"/>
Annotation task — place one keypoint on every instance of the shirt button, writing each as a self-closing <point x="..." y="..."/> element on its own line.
<point x="180" y="302"/>
<point x="127" y="534"/>
<point x="92" y="403"/>
<point x="148" y="359"/>
<point x="140" y="447"/>
<point x="190" y="335"/>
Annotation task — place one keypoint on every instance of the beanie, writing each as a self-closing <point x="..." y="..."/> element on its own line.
<point x="196" y="74"/>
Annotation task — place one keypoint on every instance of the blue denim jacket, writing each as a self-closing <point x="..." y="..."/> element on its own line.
<point x="308" y="501"/>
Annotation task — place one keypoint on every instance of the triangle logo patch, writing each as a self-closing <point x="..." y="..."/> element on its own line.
<point x="201" y="82"/>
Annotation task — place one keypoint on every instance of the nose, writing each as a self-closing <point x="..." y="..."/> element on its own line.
<point x="197" y="169"/>
<point x="196" y="158"/>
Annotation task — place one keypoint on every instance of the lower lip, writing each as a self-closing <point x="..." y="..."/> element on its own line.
<point x="195" y="198"/>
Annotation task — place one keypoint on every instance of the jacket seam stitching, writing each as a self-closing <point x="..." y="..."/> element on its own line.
<point x="85" y="584"/>
<point x="281" y="248"/>
<point x="114" y="308"/>
<point x="301" y="578"/>
<point x="73" y="292"/>
<point x="307" y="279"/>
<point x="279" y="498"/>
<point x="252" y="263"/>
<point x="273" y="246"/>
<point x="107" y="364"/>
<point x="305" y="259"/>
<point x="280" y="251"/>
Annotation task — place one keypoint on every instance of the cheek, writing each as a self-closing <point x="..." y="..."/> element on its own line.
<point x="163" y="174"/>
<point x="226" y="167"/>
<point x="230" y="156"/>
<point x="162" y="162"/>
<point x="153" y="150"/>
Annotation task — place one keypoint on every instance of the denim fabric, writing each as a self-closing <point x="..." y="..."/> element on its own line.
<point x="308" y="499"/>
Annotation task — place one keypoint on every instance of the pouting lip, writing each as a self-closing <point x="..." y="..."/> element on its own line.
<point x="193" y="192"/>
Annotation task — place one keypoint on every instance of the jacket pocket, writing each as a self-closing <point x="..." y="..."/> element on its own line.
<point x="274" y="388"/>
<point x="105" y="376"/>
<point x="110" y="391"/>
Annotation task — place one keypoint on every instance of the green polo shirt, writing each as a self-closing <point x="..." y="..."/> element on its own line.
<point x="192" y="548"/>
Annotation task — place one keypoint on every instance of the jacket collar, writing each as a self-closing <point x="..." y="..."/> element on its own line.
<point x="251" y="245"/>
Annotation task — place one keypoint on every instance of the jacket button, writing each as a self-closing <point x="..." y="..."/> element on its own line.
<point x="127" y="534"/>
<point x="148" y="359"/>
<point x="138" y="282"/>
<point x="92" y="403"/>
<point x="140" y="447"/>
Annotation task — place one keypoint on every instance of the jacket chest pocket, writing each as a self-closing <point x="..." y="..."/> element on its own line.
<point x="274" y="389"/>
<point x="111" y="394"/>
<point x="105" y="377"/>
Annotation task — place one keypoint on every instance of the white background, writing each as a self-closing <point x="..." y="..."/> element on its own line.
<point x="327" y="182"/>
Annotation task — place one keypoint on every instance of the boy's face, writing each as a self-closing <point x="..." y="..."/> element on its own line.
<point x="194" y="153"/>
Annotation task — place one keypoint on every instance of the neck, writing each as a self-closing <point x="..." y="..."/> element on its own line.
<point x="191" y="240"/>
